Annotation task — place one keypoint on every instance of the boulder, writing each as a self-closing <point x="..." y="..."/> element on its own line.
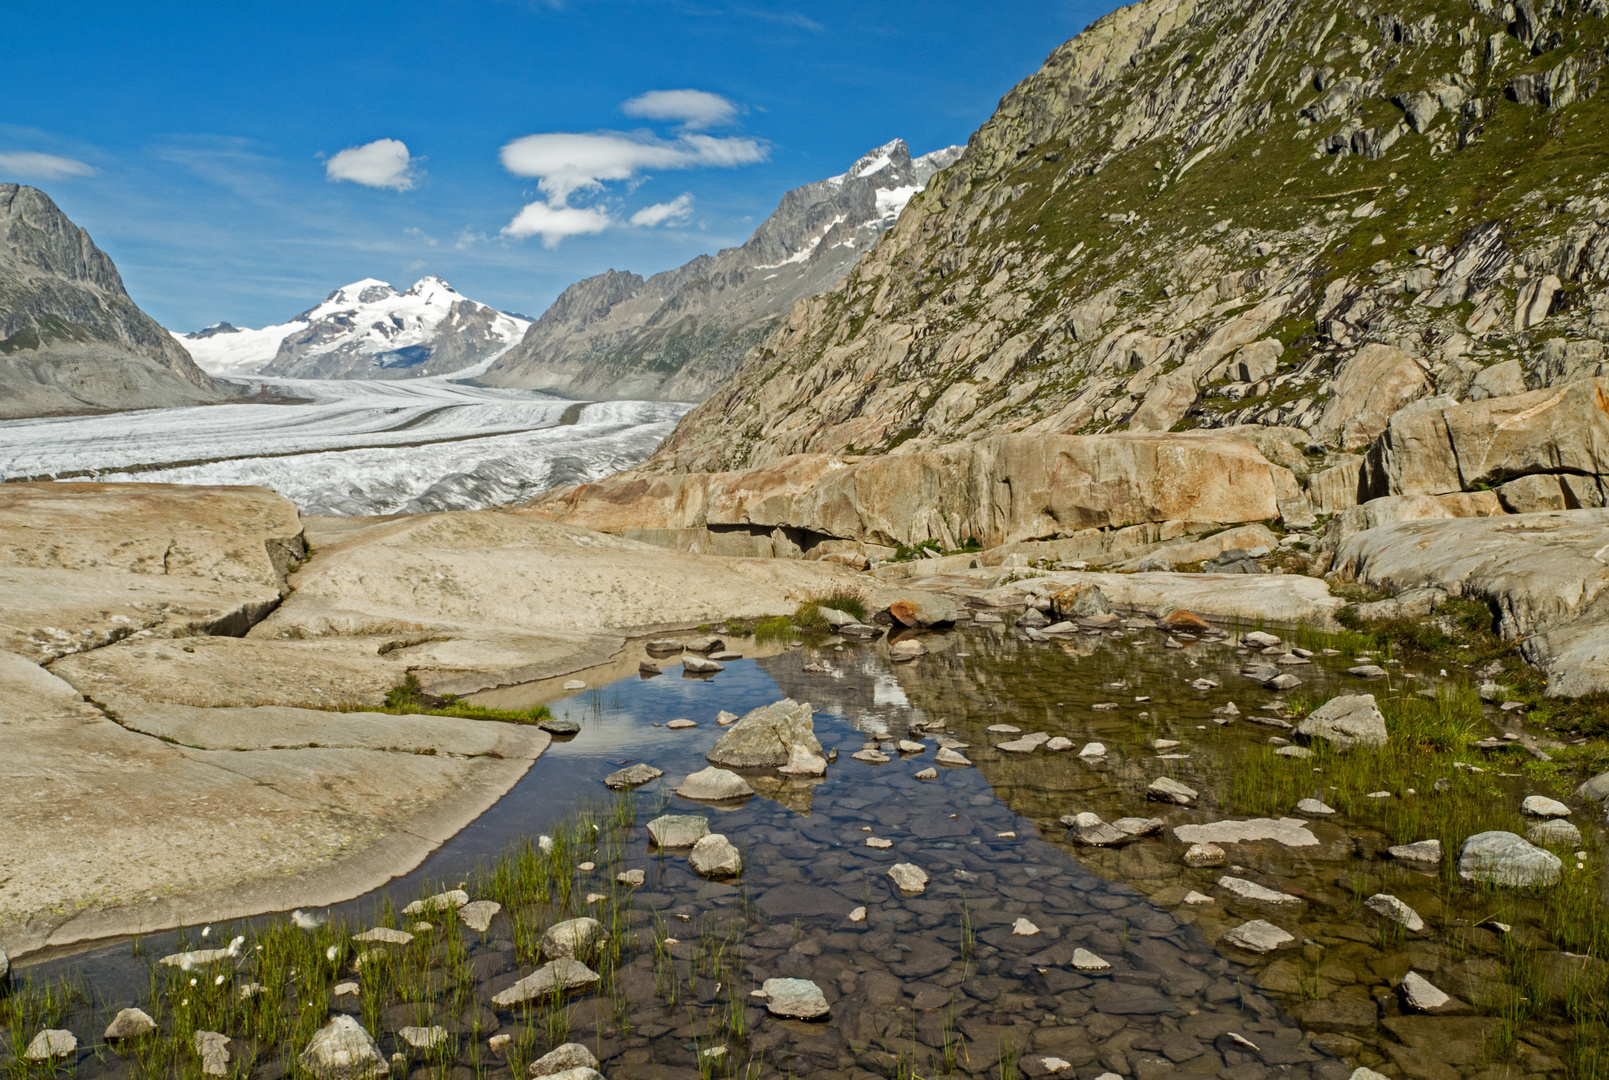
<point x="51" y="1043"/>
<point x="765" y="737"/>
<point x="698" y="665"/>
<point x="677" y="830"/>
<point x="1346" y="721"/>
<point x="343" y="1050"/>
<point x="714" y="785"/>
<point x="921" y="609"/>
<point x="562" y="1057"/>
<point x="794" y="999"/>
<point x="1079" y="601"/>
<point x="1543" y="807"/>
<point x="574" y="938"/>
<point x="715" y="857"/>
<point x="1534" y="493"/>
<point x="1184" y="621"/>
<point x="1596" y="789"/>
<point x="1557" y="833"/>
<point x="632" y="775"/>
<point x="1502" y="858"/>
<point x="555" y="977"/>
<point x="1559" y="429"/>
<point x="1166" y="789"/>
<point x="1372" y="384"/>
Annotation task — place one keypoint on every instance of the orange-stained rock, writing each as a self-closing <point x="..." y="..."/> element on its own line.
<point x="1187" y="621"/>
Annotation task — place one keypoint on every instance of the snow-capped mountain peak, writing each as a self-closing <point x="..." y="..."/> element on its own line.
<point x="367" y="329"/>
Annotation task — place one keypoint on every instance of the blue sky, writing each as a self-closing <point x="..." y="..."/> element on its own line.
<point x="201" y="144"/>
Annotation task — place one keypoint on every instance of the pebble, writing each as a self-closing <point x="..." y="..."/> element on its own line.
<point x="929" y="773"/>
<point x="798" y="999"/>
<point x="1093" y="750"/>
<point x="1205" y="855"/>
<point x="681" y="723"/>
<point x="878" y="842"/>
<point x="1313" y="806"/>
<point x="1389" y="907"/>
<point x="1258" y="936"/>
<point x="1024" y="928"/>
<point x="1250" y="890"/>
<point x="1420" y="995"/>
<point x="1193" y="897"/>
<point x="858" y="915"/>
<point x="1084" y="960"/>
<point x="910" y="879"/>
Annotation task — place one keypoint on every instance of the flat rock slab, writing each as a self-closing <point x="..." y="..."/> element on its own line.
<point x="1166" y="789"/>
<point x="556" y="977"/>
<point x="129" y="1024"/>
<point x="1258" y="936"/>
<point x="1543" y="807"/>
<point x="1242" y="889"/>
<point x="632" y="776"/>
<point x="1389" y="907"/>
<point x="910" y="879"/>
<point x="714" y="785"/>
<point x="1425" y="854"/>
<point x="1291" y="832"/>
<point x="451" y="900"/>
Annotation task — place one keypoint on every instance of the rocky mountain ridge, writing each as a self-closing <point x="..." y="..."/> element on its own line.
<point x="675" y="335"/>
<point x="366" y="330"/>
<point x="1206" y="214"/>
<point x="71" y="338"/>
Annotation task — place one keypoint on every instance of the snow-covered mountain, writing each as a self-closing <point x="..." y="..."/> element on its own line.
<point x="675" y="335"/>
<point x="365" y="330"/>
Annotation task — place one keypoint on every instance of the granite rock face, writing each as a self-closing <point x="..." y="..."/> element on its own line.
<point x="71" y="338"/>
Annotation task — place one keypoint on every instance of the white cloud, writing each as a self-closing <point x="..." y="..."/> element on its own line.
<point x="42" y="166"/>
<point x="694" y="108"/>
<point x="383" y="163"/>
<point x="567" y="163"/>
<point x="674" y="212"/>
<point x="554" y="223"/>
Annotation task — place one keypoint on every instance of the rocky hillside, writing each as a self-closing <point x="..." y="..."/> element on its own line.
<point x="366" y="330"/>
<point x="675" y="335"/>
<point x="1198" y="215"/>
<point x="71" y="338"/>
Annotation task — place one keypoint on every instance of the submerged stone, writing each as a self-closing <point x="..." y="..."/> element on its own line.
<point x="1290" y="832"/>
<point x="1250" y="890"/>
<point x="1389" y="907"/>
<point x="1086" y="961"/>
<point x="1166" y="789"/>
<point x="556" y="977"/>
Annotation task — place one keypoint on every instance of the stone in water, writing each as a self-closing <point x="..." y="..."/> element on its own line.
<point x="572" y="938"/>
<point x="1502" y="858"/>
<point x="1424" y="854"/>
<point x="1389" y="907"/>
<point x="1543" y="807"/>
<point x="342" y="1050"/>
<point x="129" y="1024"/>
<point x="631" y="776"/>
<point x="1084" y="960"/>
<point x="1168" y="790"/>
<point x="715" y="857"/>
<point x="556" y="977"/>
<point x="1420" y="995"/>
<point x="714" y="785"/>
<point x="678" y="830"/>
<point x="562" y="1059"/>
<point x="1258" y="936"/>
<point x="909" y="878"/>
<point x="1250" y="890"/>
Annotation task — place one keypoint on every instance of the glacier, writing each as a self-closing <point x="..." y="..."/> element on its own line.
<point x="354" y="447"/>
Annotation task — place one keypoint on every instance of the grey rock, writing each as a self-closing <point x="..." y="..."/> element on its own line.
<point x="1258" y="936"/>
<point x="384" y="935"/>
<point x="1089" y="829"/>
<point x="1259" y="894"/>
<point x="715" y="857"/>
<point x="212" y="1047"/>
<point x="663" y="647"/>
<point x="802" y="762"/>
<point x="579" y="1073"/>
<point x="343" y="1050"/>
<point x="796" y="999"/>
<point x="1202" y="855"/>
<point x="1557" y="833"/>
<point x="1025" y="745"/>
<point x="1596" y="789"/>
<point x="51" y="1043"/>
<point x="1502" y="858"/>
<point x="632" y="879"/>
<point x="632" y="776"/>
<point x="129" y="1024"/>
<point x="946" y="756"/>
<point x="1346" y="721"/>
<point x="1367" y="671"/>
<point x="1139" y="826"/>
<point x="555" y="977"/>
<point x="714" y="785"/>
<point x="423" y="1038"/>
<point x="1389" y="907"/>
<point x="1315" y="807"/>
<point x="1086" y="961"/>
<point x="478" y="915"/>
<point x="648" y="667"/>
<point x="765" y="737"/>
<point x="1426" y="854"/>
<point x="678" y="830"/>
<point x="559" y="726"/>
<point x="575" y="939"/>
<point x="562" y="1057"/>
<point x="1290" y="832"/>
<point x="697" y="665"/>
<point x="451" y="900"/>
<point x="1166" y="789"/>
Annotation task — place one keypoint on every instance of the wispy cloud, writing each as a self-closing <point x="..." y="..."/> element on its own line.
<point x="696" y="109"/>
<point x="674" y="212"/>
<point x="384" y="163"/>
<point x="35" y="166"/>
<point x="564" y="164"/>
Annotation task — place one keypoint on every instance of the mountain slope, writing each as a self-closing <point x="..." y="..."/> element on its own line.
<point x="71" y="338"/>
<point x="366" y="330"/>
<point x="1200" y="214"/>
<point x="674" y="336"/>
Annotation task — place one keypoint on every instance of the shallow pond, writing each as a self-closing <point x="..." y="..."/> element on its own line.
<point x="951" y="979"/>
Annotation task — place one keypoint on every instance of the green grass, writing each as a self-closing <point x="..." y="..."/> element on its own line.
<point x="406" y="698"/>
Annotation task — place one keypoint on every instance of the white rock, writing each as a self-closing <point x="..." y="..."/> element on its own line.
<point x="906" y="746"/>
<point x="478" y="915"/>
<point x="1023" y="928"/>
<point x="1420" y="995"/>
<point x="1205" y="855"/>
<point x="873" y="756"/>
<point x="1346" y="721"/>
<point x="1193" y="897"/>
<point x="1363" y="1072"/>
<point x="1556" y="832"/>
<point x="715" y="857"/>
<point x="715" y="785"/>
<point x="1297" y="752"/>
<point x="1291" y="832"/>
<point x="878" y="842"/>
<point x="1058" y="743"/>
<point x="562" y="1058"/>
<point x="929" y="773"/>
<point x="631" y="878"/>
<point x="946" y="756"/>
<point x="678" y="830"/>
<point x="1389" y="907"/>
<point x="1250" y="890"/>
<point x="423" y="1038"/>
<point x="725" y="719"/>
<point x="1258" y="936"/>
<point x="858" y="915"/>
<point x="1136" y="826"/>
<point x="1313" y="806"/>
<point x="1093" y="750"/>
<point x="1502" y="858"/>
<point x="51" y="1043"/>
<point x="1084" y="960"/>
<point x="798" y="999"/>
<point x="342" y="1050"/>
<point x="573" y="938"/>
<point x="910" y="879"/>
<point x="1543" y="807"/>
<point x="129" y="1024"/>
<point x="681" y="723"/>
<point x="385" y="935"/>
<point x="1025" y="745"/>
<point x="1002" y="729"/>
